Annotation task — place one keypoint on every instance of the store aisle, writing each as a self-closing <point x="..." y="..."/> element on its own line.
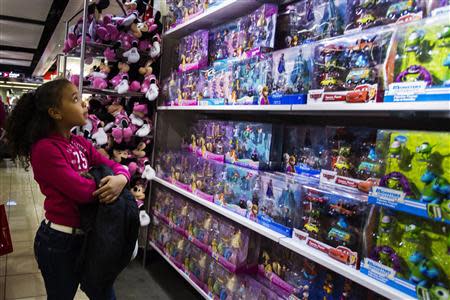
<point x="19" y="274"/>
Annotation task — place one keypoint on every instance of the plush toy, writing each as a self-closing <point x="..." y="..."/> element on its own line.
<point x="132" y="54"/>
<point x="138" y="192"/>
<point x="119" y="155"/>
<point x="139" y="114"/>
<point x="137" y="166"/>
<point x="155" y="51"/>
<point x="110" y="54"/>
<point x="99" y="76"/>
<point x="91" y="126"/>
<point x="100" y="137"/>
<point x="123" y="130"/>
<point x="145" y="130"/>
<point x="149" y="173"/>
<point x="106" y="31"/>
<point x="149" y="86"/>
<point x="139" y="151"/>
<point x="115" y="109"/>
<point x="132" y="15"/>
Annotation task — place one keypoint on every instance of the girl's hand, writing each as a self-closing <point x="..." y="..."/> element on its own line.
<point x="110" y="188"/>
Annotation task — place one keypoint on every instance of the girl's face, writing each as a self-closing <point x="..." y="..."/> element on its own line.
<point x="73" y="110"/>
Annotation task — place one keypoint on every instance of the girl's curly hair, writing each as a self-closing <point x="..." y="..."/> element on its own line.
<point x="29" y="121"/>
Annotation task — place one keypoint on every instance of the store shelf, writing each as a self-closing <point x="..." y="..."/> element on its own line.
<point x="435" y="108"/>
<point x="225" y="212"/>
<point x="229" y="108"/>
<point x="344" y="270"/>
<point x="225" y="11"/>
<point x="88" y="90"/>
<point x="184" y="275"/>
<point x="97" y="49"/>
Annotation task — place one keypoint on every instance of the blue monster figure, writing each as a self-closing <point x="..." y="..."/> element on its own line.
<point x="423" y="270"/>
<point x="430" y="192"/>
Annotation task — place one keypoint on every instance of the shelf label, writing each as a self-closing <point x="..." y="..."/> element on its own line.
<point x="406" y="91"/>
<point x="387" y="197"/>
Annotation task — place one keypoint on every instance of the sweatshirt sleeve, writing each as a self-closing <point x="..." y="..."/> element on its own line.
<point x="98" y="159"/>
<point x="51" y="168"/>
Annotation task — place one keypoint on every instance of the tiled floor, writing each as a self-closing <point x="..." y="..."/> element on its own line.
<point x="19" y="275"/>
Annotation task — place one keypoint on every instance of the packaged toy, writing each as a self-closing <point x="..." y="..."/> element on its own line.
<point x="409" y="254"/>
<point x="187" y="90"/>
<point x="307" y="21"/>
<point x="417" y="177"/>
<point x="292" y="75"/>
<point x="419" y="68"/>
<point x="193" y="51"/>
<point x="350" y="69"/>
<point x="215" y="85"/>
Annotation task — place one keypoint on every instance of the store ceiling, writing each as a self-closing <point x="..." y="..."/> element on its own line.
<point x="25" y="30"/>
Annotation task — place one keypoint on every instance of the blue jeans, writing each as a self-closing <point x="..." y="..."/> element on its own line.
<point x="56" y="254"/>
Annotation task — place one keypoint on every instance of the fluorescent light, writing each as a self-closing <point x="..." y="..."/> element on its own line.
<point x="22" y="83"/>
<point x="18" y="86"/>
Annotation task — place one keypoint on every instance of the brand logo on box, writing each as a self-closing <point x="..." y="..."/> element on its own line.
<point x="387" y="194"/>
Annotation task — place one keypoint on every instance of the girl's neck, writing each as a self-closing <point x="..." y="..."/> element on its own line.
<point x="64" y="132"/>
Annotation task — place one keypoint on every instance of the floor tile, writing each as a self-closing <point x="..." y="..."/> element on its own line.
<point x="22" y="235"/>
<point x="2" y="266"/>
<point x="22" y="249"/>
<point x="16" y="265"/>
<point x="2" y="287"/>
<point x="22" y="286"/>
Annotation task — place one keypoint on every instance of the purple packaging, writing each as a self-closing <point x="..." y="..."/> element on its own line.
<point x="193" y="51"/>
<point x="187" y="89"/>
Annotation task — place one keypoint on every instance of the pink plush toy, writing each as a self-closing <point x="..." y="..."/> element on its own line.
<point x="123" y="130"/>
<point x="110" y="54"/>
<point x="124" y="69"/>
<point x="155" y="52"/>
<point x="98" y="79"/>
<point x="107" y="31"/>
<point x="149" y="85"/>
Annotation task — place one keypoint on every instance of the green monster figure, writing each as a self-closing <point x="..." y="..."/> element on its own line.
<point x="395" y="149"/>
<point x="445" y="208"/>
<point x="439" y="293"/>
<point x="412" y="233"/>
<point x="394" y="183"/>
<point x="424" y="151"/>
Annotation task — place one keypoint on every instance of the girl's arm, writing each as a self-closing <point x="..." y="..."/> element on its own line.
<point x="52" y="170"/>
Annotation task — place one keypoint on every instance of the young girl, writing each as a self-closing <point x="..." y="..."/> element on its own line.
<point x="39" y="132"/>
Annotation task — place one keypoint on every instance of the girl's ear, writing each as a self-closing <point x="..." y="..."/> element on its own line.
<point x="54" y="113"/>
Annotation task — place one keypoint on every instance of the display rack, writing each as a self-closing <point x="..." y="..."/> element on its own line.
<point x="306" y="251"/>
<point x="228" y="10"/>
<point x="184" y="275"/>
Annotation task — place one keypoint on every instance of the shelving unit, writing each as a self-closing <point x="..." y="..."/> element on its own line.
<point x="304" y="250"/>
<point x="228" y="10"/>
<point x="184" y="275"/>
<point x="88" y="90"/>
<point x="225" y="212"/>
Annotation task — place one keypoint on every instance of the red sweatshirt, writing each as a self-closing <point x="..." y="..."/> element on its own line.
<point x="57" y="163"/>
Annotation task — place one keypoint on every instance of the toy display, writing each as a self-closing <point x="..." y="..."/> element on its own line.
<point x="349" y="69"/>
<point x="307" y="152"/>
<point x="252" y="80"/>
<point x="356" y="163"/>
<point x="420" y="69"/>
<point x="215" y="85"/>
<point x="417" y="177"/>
<point x="244" y="37"/>
<point x="370" y="13"/>
<point x="279" y="201"/>
<point x="240" y="191"/>
<point x="254" y="145"/>
<point x="292" y="75"/>
<point x="186" y="89"/>
<point x="193" y="51"/>
<point x="409" y="253"/>
<point x="169" y="90"/>
<point x="307" y="21"/>
<point x="180" y="11"/>
<point x="333" y="222"/>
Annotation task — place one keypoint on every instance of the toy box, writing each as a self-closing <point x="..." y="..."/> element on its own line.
<point x="230" y="245"/>
<point x="419" y="68"/>
<point x="254" y="145"/>
<point x="244" y="37"/>
<point x="307" y="21"/>
<point x="438" y="7"/>
<point x="356" y="162"/>
<point x="215" y="85"/>
<point x="408" y="253"/>
<point x="187" y="89"/>
<point x="169" y="89"/>
<point x="306" y="150"/>
<point x="206" y="179"/>
<point x="193" y="51"/>
<point x="196" y="266"/>
<point x="279" y="201"/>
<point x="350" y="69"/>
<point x="417" y="175"/>
<point x="292" y="75"/>
<point x="370" y="13"/>
<point x="332" y="221"/>
<point x="240" y="191"/>
<point x="180" y="11"/>
<point x="251" y="79"/>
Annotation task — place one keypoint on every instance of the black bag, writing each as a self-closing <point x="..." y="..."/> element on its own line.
<point x="111" y="231"/>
